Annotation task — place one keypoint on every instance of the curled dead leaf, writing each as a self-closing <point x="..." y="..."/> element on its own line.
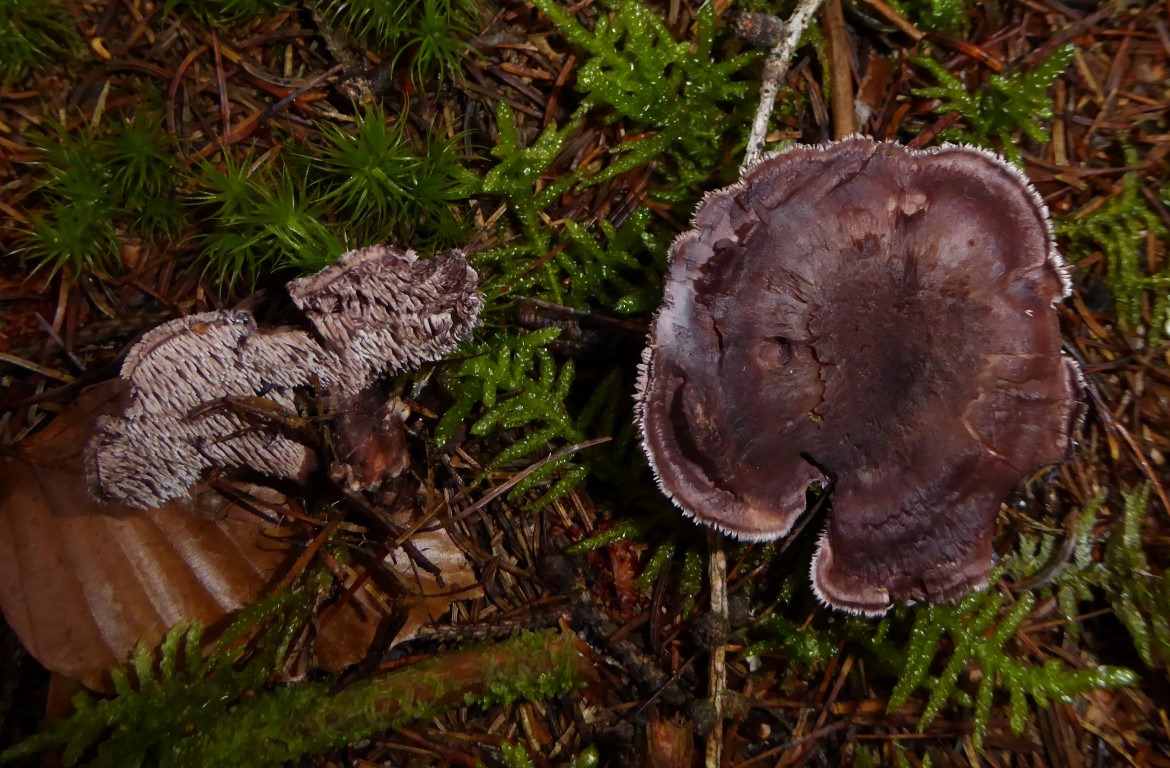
<point x="82" y="582"/>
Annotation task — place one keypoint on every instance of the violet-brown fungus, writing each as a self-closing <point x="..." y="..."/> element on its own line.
<point x="874" y="319"/>
<point x="157" y="448"/>
<point x="377" y="310"/>
<point x="383" y="310"/>
<point x="370" y="441"/>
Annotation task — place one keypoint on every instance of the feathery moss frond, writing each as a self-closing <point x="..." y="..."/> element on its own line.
<point x="688" y="102"/>
<point x="520" y="387"/>
<point x="579" y="271"/>
<point x="1118" y="229"/>
<point x="980" y="628"/>
<point x="935" y="15"/>
<point x="176" y="689"/>
<point x="911" y="643"/>
<point x="216" y="709"/>
<point x="1073" y="560"/>
<point x="676" y="89"/>
<point x="1140" y="597"/>
<point x="1009" y="104"/>
<point x="512" y="382"/>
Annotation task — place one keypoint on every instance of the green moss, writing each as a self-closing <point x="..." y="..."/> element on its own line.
<point x="1118" y="230"/>
<point x="513" y="382"/>
<point x="351" y="187"/>
<point x="1008" y="105"/>
<point x="1139" y="595"/>
<point x="675" y="89"/>
<point x="34" y="35"/>
<point x="589" y="757"/>
<point x="683" y="552"/>
<point x="980" y="628"/>
<point x="223" y="12"/>
<point x="563" y="263"/>
<point x="143" y="172"/>
<point x="662" y="555"/>
<point x="533" y="386"/>
<point x="689" y="109"/>
<point x="1116" y="567"/>
<point x="632" y="528"/>
<point x="933" y="650"/>
<point x="198" y="711"/>
<point x="427" y="36"/>
<point x="243" y="218"/>
<point x="515" y="756"/>
<point x="948" y="16"/>
<point x="100" y="184"/>
<point x="256" y="222"/>
<point x="371" y="177"/>
<point x="170" y="692"/>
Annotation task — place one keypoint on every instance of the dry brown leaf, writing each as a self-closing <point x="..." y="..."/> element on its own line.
<point x="426" y="601"/>
<point x="83" y="582"/>
<point x="419" y="594"/>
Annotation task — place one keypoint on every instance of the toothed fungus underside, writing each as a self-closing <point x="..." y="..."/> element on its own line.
<point x="383" y="310"/>
<point x="377" y="310"/>
<point x="875" y="319"/>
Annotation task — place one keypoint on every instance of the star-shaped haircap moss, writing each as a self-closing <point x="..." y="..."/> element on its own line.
<point x="873" y="318"/>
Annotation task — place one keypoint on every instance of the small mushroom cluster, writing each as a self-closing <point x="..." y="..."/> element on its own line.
<point x="878" y="321"/>
<point x="377" y="310"/>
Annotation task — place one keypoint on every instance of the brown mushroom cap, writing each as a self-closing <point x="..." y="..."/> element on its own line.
<point x="873" y="317"/>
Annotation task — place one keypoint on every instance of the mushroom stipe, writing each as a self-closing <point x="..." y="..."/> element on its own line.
<point x="876" y="320"/>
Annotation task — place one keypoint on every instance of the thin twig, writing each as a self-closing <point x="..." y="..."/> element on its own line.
<point x="898" y="20"/>
<point x="841" y="74"/>
<point x="500" y="490"/>
<point x="357" y="86"/>
<point x="225" y="103"/>
<point x="29" y="365"/>
<point x="51" y="332"/>
<point x="1118" y="429"/>
<point x="717" y="570"/>
<point x="775" y="69"/>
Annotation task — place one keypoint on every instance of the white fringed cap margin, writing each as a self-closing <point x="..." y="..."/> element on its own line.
<point x="660" y="328"/>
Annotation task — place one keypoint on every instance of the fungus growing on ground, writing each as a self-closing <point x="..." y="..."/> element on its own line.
<point x="377" y="310"/>
<point x="874" y="319"/>
<point x="383" y="310"/>
<point x="164" y="440"/>
<point x="370" y="442"/>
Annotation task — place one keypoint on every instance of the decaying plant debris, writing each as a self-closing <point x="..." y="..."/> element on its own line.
<point x="161" y="162"/>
